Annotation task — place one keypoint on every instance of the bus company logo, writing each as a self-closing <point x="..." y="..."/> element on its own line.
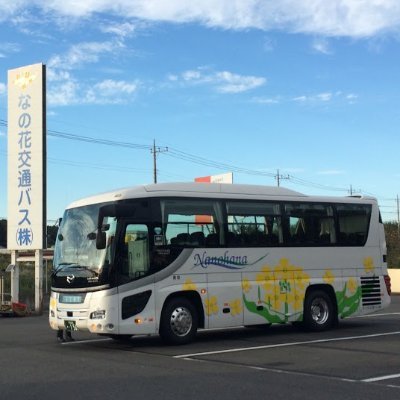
<point x="24" y="79"/>
<point x="227" y="261"/>
<point x="70" y="278"/>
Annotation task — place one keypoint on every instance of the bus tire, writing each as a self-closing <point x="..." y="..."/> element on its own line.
<point x="179" y="321"/>
<point x="319" y="311"/>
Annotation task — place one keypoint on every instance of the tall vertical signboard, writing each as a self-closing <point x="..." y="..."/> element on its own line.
<point x="27" y="158"/>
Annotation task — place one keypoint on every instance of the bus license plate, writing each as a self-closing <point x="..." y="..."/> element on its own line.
<point x="70" y="326"/>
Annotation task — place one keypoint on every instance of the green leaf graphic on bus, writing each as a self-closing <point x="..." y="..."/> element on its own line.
<point x="348" y="304"/>
<point x="280" y="293"/>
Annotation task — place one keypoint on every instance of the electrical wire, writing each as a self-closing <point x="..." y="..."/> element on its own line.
<point x="183" y="156"/>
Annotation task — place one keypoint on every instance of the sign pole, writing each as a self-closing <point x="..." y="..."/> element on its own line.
<point x="39" y="281"/>
<point x="14" y="277"/>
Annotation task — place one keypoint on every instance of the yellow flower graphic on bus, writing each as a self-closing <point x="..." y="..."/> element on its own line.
<point x="236" y="307"/>
<point x="246" y="285"/>
<point x="265" y="278"/>
<point x="328" y="277"/>
<point x="282" y="288"/>
<point x="369" y="266"/>
<point x="211" y="305"/>
<point x="281" y="291"/>
<point x="189" y="285"/>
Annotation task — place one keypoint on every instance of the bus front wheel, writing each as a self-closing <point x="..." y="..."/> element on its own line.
<point x="318" y="311"/>
<point x="179" y="321"/>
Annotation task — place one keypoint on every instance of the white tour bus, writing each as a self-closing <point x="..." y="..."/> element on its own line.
<point x="172" y="258"/>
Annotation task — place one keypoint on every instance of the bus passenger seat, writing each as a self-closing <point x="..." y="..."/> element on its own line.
<point x="197" y="239"/>
<point x="325" y="238"/>
<point x="272" y="239"/>
<point x="232" y="239"/>
<point x="182" y="239"/>
<point x="212" y="240"/>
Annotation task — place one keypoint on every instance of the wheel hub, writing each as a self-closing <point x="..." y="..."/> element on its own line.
<point x="181" y="321"/>
<point x="319" y="311"/>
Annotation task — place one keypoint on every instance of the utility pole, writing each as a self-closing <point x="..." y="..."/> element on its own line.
<point x="155" y="150"/>
<point x="279" y="177"/>
<point x="353" y="191"/>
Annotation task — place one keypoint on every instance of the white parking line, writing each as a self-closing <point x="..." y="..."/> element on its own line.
<point x="375" y="315"/>
<point x="381" y="378"/>
<point x="271" y="346"/>
<point x="85" y="341"/>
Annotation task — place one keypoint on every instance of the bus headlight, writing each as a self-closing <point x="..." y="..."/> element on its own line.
<point x="98" y="314"/>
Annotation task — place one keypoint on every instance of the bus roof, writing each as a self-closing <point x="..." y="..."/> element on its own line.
<point x="209" y="190"/>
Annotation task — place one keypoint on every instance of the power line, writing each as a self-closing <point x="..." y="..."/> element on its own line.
<point x="89" y="139"/>
<point x="184" y="156"/>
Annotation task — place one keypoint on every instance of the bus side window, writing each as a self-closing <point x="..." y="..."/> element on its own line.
<point x="136" y="251"/>
<point x="310" y="224"/>
<point x="191" y="222"/>
<point x="353" y="224"/>
<point x="253" y="224"/>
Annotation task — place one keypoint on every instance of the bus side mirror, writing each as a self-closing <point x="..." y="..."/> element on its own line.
<point x="100" y="239"/>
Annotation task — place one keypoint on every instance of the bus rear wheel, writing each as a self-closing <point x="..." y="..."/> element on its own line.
<point x="179" y="321"/>
<point x="318" y="311"/>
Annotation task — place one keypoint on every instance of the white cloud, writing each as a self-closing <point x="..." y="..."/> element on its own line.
<point x="105" y="92"/>
<point x="2" y="133"/>
<point x="83" y="53"/>
<point x="111" y="92"/>
<point x="352" y="18"/>
<point x="324" y="96"/>
<point x="222" y="81"/>
<point x="234" y="83"/>
<point x="310" y="99"/>
<point x="317" y="98"/>
<point x="122" y="30"/>
<point x="269" y="44"/>
<point x="3" y="88"/>
<point x="321" y="45"/>
<point x="7" y="48"/>
<point x="266" y="100"/>
<point x="352" y="98"/>
<point x="63" y="94"/>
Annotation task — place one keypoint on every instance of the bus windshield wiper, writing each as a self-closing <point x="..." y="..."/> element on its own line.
<point x="77" y="266"/>
<point x="60" y="267"/>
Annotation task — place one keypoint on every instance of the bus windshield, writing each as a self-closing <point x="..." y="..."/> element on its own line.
<point x="76" y="242"/>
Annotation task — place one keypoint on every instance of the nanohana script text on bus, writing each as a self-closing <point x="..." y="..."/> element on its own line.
<point x="170" y="259"/>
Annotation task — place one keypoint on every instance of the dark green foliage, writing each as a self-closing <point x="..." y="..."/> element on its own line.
<point x="51" y="234"/>
<point x="393" y="244"/>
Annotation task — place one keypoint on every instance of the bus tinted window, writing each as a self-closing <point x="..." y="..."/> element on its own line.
<point x="353" y="223"/>
<point x="136" y="242"/>
<point x="309" y="224"/>
<point x="192" y="223"/>
<point x="253" y="224"/>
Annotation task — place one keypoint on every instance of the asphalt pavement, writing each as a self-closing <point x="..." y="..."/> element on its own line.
<point x="358" y="360"/>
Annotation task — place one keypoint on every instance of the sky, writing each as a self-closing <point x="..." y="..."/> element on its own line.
<point x="306" y="87"/>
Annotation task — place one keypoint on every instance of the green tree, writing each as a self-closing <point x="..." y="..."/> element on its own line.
<point x="51" y="234"/>
<point x="393" y="244"/>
